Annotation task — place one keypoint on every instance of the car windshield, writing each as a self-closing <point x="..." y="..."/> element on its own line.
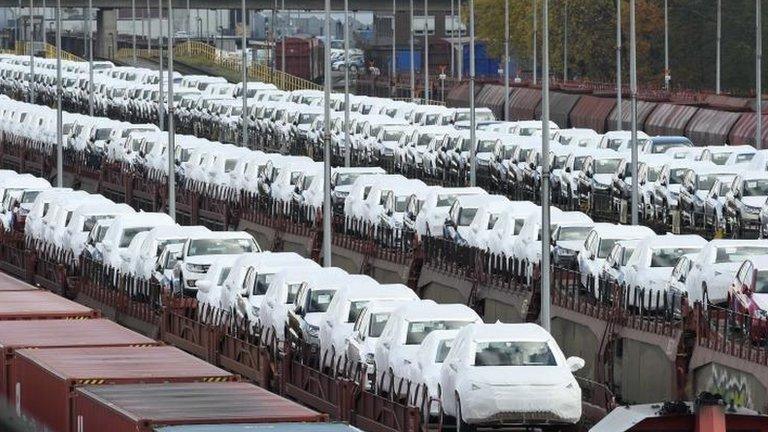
<point x="102" y="134"/>
<point x="319" y="300"/>
<point x="466" y="215"/>
<point x="721" y="158"/>
<point x="308" y="118"/>
<point x="676" y="175"/>
<point x="761" y="282"/>
<point x="220" y="246"/>
<point x="346" y="179"/>
<point x="424" y="139"/>
<point x="401" y="203"/>
<point x="485" y="146"/>
<point x="443" y="348"/>
<point x="605" y="247"/>
<point x="559" y="162"/>
<point x="667" y="257"/>
<point x="418" y="330"/>
<point x="514" y="354"/>
<point x="744" y="157"/>
<point x="664" y="146"/>
<point x="90" y="221"/>
<point x="355" y="309"/>
<point x="573" y="233"/>
<point x="757" y="187"/>
<point x="738" y="254"/>
<point x="578" y="163"/>
<point x="705" y="182"/>
<point x="606" y="166"/>
<point x="615" y="144"/>
<point x="130" y="233"/>
<point x="652" y="174"/>
<point x="377" y="323"/>
<point x="29" y="196"/>
<point x="392" y="135"/>
<point x="445" y="200"/>
<point x="262" y="283"/>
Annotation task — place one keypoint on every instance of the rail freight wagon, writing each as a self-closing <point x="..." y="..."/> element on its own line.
<point x="304" y="57"/>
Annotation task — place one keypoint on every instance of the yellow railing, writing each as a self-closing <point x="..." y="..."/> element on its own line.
<point x="218" y="58"/>
<point x="24" y="48"/>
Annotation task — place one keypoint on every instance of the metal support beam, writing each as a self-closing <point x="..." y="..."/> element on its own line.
<point x="327" y="142"/>
<point x="31" y="40"/>
<point x="506" y="60"/>
<point x="59" y="114"/>
<point x="171" y="120"/>
<point x="244" y="43"/>
<point x="393" y="72"/>
<point x="758" y="74"/>
<point x="565" y="41"/>
<point x="161" y="105"/>
<point x="426" y="52"/>
<point x="633" y="107"/>
<point x="90" y="60"/>
<point x="347" y="146"/>
<point x="667" y="76"/>
<point x="472" y="119"/>
<point x="413" y="71"/>
<point x="545" y="227"/>
<point x="535" y="39"/>
<point x="718" y="40"/>
<point x="460" y="48"/>
<point x="619" y="115"/>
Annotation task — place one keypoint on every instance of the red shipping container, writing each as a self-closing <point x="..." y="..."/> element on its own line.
<point x="304" y="57"/>
<point x="142" y="407"/>
<point x="16" y="335"/>
<point x="46" y="378"/>
<point x="38" y="304"/>
<point x="9" y="283"/>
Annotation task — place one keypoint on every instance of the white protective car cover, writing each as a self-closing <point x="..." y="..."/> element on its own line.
<point x="129" y="255"/>
<point x="512" y="392"/>
<point x="55" y="226"/>
<point x="114" y="242"/>
<point x="436" y="205"/>
<point x="34" y="226"/>
<point x="76" y="233"/>
<point x="161" y="236"/>
<point x="499" y="239"/>
<point x="15" y="187"/>
<point x="274" y="311"/>
<point x="220" y="268"/>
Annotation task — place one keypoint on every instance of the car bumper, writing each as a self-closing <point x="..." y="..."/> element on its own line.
<point x="520" y="406"/>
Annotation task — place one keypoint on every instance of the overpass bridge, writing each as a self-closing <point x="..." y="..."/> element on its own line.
<point x="303" y="5"/>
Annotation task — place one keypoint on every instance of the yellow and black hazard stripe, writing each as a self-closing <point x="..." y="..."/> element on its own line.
<point x="217" y="379"/>
<point x="91" y="381"/>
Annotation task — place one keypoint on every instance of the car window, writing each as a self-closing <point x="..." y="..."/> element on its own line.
<point x="466" y="215"/>
<point x="667" y="257"/>
<point x="418" y="330"/>
<point x="377" y="323"/>
<point x="737" y="254"/>
<point x="355" y="308"/>
<point x="319" y="300"/>
<point x="443" y="348"/>
<point x="761" y="282"/>
<point x="514" y="354"/>
<point x="220" y="246"/>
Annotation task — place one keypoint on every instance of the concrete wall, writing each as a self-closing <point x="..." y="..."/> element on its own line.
<point x="576" y="340"/>
<point x="635" y="362"/>
<point x="740" y="388"/>
<point x="105" y="44"/>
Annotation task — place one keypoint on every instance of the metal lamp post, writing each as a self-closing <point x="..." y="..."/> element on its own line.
<point x="413" y="71"/>
<point x="426" y="52"/>
<point x="327" y="141"/>
<point x="133" y="31"/>
<point x="619" y="116"/>
<point x="59" y="115"/>
<point x="506" y="60"/>
<point x="472" y="120"/>
<point x="171" y="125"/>
<point x="347" y="146"/>
<point x="161" y="104"/>
<point x="718" y="40"/>
<point x="244" y="43"/>
<point x="758" y="74"/>
<point x="545" y="227"/>
<point x="31" y="39"/>
<point x="633" y="108"/>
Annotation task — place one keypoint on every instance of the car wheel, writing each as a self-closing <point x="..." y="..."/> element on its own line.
<point x="461" y="425"/>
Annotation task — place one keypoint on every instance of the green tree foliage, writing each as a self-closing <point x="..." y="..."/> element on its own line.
<point x="592" y="39"/>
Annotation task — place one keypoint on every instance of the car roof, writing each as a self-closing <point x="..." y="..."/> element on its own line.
<point x="673" y="240"/>
<point x="760" y="261"/>
<point x="220" y="235"/>
<point x="604" y="229"/>
<point x="749" y="175"/>
<point x="506" y="331"/>
<point x="428" y="309"/>
<point x="479" y="200"/>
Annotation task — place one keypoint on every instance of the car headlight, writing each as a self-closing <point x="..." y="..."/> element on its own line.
<point x="313" y="331"/>
<point x="197" y="268"/>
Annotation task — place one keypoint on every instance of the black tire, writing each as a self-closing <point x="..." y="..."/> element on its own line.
<point x="461" y="425"/>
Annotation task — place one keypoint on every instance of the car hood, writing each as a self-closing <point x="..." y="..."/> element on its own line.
<point x="573" y="245"/>
<point x="201" y="259"/>
<point x="345" y="188"/>
<point x="655" y="273"/>
<point x="314" y="318"/>
<point x="754" y="201"/>
<point x="761" y="300"/>
<point x="520" y="375"/>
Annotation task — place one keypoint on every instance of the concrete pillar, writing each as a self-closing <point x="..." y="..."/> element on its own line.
<point x="105" y="44"/>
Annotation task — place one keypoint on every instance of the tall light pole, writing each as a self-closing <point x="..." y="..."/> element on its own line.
<point x="535" y="38"/>
<point x="189" y="26"/>
<point x="244" y="42"/>
<point x="171" y="120"/>
<point x="133" y="25"/>
<point x="413" y="70"/>
<point x="619" y="116"/>
<point x="327" y="141"/>
<point x="90" y="59"/>
<point x="59" y="115"/>
<point x="426" y="52"/>
<point x="460" y="48"/>
<point x="506" y="60"/>
<point x="393" y="73"/>
<point x="346" y="86"/>
<point x="565" y="41"/>
<point x="285" y="31"/>
<point x="472" y="120"/>
<point x="717" y="50"/>
<point x="161" y="104"/>
<point x="453" y="40"/>
<point x="666" y="46"/>
<point x="633" y="107"/>
<point x="31" y="39"/>
<point x="545" y="228"/>
<point x="149" y="27"/>
<point x="758" y="75"/>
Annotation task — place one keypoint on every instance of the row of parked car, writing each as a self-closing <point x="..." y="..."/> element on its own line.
<point x="384" y="330"/>
<point x="714" y="188"/>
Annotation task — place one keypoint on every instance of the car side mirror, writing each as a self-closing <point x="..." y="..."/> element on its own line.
<point x="204" y="286"/>
<point x="616" y="265"/>
<point x="300" y="311"/>
<point x="737" y="193"/>
<point x="621" y="176"/>
<point x="591" y="255"/>
<point x="568" y="169"/>
<point x="575" y="363"/>
<point x="690" y="189"/>
<point x="532" y="165"/>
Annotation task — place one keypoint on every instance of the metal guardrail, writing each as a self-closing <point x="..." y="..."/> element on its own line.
<point x="24" y="48"/>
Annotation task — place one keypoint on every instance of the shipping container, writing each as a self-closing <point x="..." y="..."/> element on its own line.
<point x="15" y="335"/>
<point x="523" y="104"/>
<point x="272" y="427"/>
<point x="485" y="66"/>
<point x="492" y="96"/>
<point x="142" y="407"/>
<point x="592" y="112"/>
<point x="38" y="304"/>
<point x="45" y="378"/>
<point x="458" y="97"/>
<point x="711" y="127"/>
<point x="10" y="283"/>
<point x="304" y="57"/>
<point x="404" y="60"/>
<point x="729" y="103"/>
<point x="743" y="132"/>
<point x="644" y="109"/>
<point x="669" y="119"/>
<point x="560" y="106"/>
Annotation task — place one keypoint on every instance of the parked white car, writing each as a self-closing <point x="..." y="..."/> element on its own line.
<point x="425" y="371"/>
<point x="406" y="329"/>
<point x="598" y="246"/>
<point x="156" y="241"/>
<point x="339" y="321"/>
<point x="651" y="263"/>
<point x="510" y="374"/>
<point x="527" y="248"/>
<point x="437" y="203"/>
<point x="121" y="232"/>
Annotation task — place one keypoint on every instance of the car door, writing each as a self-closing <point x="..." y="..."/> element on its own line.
<point x="357" y="338"/>
<point x="297" y="312"/>
<point x="741" y="293"/>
